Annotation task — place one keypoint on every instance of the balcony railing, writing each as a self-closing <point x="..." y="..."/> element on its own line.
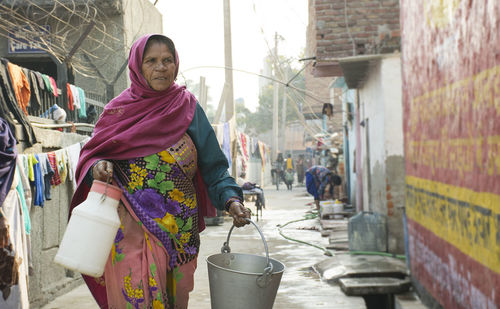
<point x="43" y="116"/>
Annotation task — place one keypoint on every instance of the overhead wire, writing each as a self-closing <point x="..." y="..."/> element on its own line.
<point x="277" y="63"/>
<point x="294" y="98"/>
<point x="313" y="131"/>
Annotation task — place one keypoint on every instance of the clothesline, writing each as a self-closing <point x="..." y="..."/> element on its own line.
<point x="29" y="85"/>
<point x="47" y="169"/>
<point x="247" y="146"/>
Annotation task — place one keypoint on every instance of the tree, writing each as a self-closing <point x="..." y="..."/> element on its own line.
<point x="261" y="120"/>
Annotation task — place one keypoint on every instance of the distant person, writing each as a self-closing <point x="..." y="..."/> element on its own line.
<point x="320" y="182"/>
<point x="289" y="162"/>
<point x="300" y="168"/>
<point x="278" y="170"/>
<point x="252" y="187"/>
<point x="289" y="172"/>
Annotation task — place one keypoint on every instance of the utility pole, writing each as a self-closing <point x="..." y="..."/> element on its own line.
<point x="275" y="98"/>
<point x="228" y="60"/>
<point x="283" y="114"/>
<point x="203" y="93"/>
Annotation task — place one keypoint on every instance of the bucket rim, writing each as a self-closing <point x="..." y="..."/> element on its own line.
<point x="243" y="272"/>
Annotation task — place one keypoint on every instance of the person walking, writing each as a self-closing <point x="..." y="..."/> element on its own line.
<point x="289" y="172"/>
<point x="155" y="142"/>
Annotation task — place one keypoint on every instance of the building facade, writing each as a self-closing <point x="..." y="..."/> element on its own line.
<point x="360" y="41"/>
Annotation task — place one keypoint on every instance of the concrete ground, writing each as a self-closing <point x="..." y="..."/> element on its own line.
<point x="300" y="286"/>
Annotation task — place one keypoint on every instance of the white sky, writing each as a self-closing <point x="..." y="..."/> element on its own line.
<point x="197" y="29"/>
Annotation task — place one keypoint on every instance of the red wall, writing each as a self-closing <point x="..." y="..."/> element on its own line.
<point x="451" y="97"/>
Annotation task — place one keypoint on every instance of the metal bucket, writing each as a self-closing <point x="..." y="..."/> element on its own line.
<point x="243" y="281"/>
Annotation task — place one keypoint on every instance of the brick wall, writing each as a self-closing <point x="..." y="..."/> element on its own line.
<point x="373" y="26"/>
<point x="319" y="86"/>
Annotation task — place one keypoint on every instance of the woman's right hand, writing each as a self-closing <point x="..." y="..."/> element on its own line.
<point x="103" y="170"/>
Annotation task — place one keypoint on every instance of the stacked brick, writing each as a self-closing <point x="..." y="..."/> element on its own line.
<point x="372" y="27"/>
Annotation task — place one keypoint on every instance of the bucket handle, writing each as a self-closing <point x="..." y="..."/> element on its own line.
<point x="264" y="279"/>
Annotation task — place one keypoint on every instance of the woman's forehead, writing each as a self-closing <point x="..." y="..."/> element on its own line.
<point x="157" y="47"/>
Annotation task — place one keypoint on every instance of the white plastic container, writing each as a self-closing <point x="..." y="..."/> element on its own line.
<point x="325" y="208"/>
<point x="338" y="207"/>
<point x="91" y="231"/>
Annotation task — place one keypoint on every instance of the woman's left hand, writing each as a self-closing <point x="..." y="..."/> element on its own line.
<point x="239" y="214"/>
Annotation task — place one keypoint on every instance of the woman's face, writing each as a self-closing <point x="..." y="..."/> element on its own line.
<point x="158" y="66"/>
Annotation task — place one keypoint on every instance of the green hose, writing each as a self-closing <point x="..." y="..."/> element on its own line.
<point x="327" y="252"/>
<point x="307" y="217"/>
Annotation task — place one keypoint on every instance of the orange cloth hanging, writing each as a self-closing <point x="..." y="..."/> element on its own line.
<point x="21" y="86"/>
<point x="70" y="98"/>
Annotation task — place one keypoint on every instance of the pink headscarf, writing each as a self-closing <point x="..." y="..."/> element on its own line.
<point x="138" y="122"/>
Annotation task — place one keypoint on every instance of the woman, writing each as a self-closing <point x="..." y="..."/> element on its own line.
<point x="320" y="182"/>
<point x="289" y="172"/>
<point x="155" y="142"/>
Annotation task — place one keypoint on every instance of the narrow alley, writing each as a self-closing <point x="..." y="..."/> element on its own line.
<point x="132" y="120"/>
<point x="301" y="287"/>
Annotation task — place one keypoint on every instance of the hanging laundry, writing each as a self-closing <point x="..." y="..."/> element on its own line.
<point x="56" y="179"/>
<point x="46" y="81"/>
<point x="41" y="82"/>
<point x="36" y="101"/>
<point x="37" y="180"/>
<point x="83" y="108"/>
<point x="8" y="155"/>
<point x="61" y="158"/>
<point x="244" y="146"/>
<point x="9" y="102"/>
<point x="76" y="96"/>
<point x="22" y="198"/>
<point x="47" y="173"/>
<point x="54" y="86"/>
<point x="21" y="86"/>
<point x="23" y="163"/>
<point x="70" y="97"/>
<point x="31" y="169"/>
<point x="73" y="156"/>
<point x="14" y="267"/>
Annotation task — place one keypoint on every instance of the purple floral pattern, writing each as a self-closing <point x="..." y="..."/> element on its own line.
<point x="162" y="196"/>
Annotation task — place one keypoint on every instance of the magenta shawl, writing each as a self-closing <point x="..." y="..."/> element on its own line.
<point x="140" y="121"/>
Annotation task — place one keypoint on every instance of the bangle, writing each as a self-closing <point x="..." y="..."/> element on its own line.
<point x="231" y="200"/>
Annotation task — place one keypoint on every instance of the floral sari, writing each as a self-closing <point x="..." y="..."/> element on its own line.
<point x="153" y="258"/>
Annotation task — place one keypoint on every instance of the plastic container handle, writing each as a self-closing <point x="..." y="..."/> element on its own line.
<point x="265" y="278"/>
